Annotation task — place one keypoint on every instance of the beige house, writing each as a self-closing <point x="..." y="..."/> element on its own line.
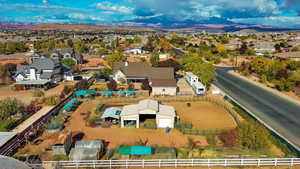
<point x="161" y="87"/>
<point x="164" y="115"/>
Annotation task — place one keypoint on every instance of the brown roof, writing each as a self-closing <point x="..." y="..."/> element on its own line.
<point x="163" y="83"/>
<point x="144" y="69"/>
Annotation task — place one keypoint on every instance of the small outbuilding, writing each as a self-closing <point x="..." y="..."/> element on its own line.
<point x="163" y="115"/>
<point x="112" y="113"/>
<point x="63" y="144"/>
<point x="84" y="154"/>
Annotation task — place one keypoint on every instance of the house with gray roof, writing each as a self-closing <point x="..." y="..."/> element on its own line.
<point x="41" y="72"/>
<point x="132" y="114"/>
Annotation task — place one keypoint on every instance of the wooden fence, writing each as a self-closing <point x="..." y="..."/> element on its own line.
<point x="175" y="163"/>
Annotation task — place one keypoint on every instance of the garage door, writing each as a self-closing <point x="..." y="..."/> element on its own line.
<point x="164" y="123"/>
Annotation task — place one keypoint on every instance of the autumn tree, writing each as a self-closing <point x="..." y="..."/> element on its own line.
<point x="115" y="57"/>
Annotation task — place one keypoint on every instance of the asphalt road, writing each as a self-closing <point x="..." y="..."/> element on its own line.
<point x="279" y="113"/>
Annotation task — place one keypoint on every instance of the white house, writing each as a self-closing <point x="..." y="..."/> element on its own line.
<point x="134" y="51"/>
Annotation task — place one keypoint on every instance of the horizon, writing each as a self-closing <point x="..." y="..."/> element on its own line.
<point x="274" y="13"/>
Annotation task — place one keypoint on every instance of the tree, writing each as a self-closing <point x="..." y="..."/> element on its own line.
<point x="253" y="135"/>
<point x="112" y="85"/>
<point x="229" y="138"/>
<point x="10" y="107"/>
<point x="115" y="57"/>
<point x="154" y="59"/>
<point x="80" y="47"/>
<point x="69" y="62"/>
<point x="145" y="85"/>
<point x="11" y="68"/>
<point x="82" y="85"/>
<point x="130" y="86"/>
<point x="170" y="63"/>
<point x="38" y="93"/>
<point x="70" y="43"/>
<point x="295" y="49"/>
<point x="243" y="48"/>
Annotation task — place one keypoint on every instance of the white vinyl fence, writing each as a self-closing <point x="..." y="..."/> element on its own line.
<point x="176" y="163"/>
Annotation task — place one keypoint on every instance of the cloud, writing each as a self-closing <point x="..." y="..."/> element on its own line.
<point x="291" y="5"/>
<point x="108" y="6"/>
<point x="85" y="17"/>
<point x="193" y="9"/>
<point x="280" y="21"/>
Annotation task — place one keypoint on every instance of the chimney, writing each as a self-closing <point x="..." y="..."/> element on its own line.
<point x="32" y="74"/>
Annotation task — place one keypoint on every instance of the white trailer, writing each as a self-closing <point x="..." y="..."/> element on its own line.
<point x="193" y="81"/>
<point x="191" y="78"/>
<point x="199" y="88"/>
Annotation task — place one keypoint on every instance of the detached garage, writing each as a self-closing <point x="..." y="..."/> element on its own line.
<point x="132" y="114"/>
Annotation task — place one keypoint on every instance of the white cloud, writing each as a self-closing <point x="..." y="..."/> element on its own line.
<point x="108" y="6"/>
<point x="85" y="17"/>
<point x="270" y="21"/>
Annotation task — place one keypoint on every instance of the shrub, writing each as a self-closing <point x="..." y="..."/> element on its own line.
<point x="130" y="86"/>
<point x="38" y="93"/>
<point x="145" y="85"/>
<point x="112" y="85"/>
<point x="211" y="139"/>
<point x="51" y="100"/>
<point x="82" y="85"/>
<point x="229" y="138"/>
<point x="252" y="135"/>
<point x="10" y="107"/>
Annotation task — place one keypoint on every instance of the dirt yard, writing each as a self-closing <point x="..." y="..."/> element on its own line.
<point x="26" y="96"/>
<point x="118" y="136"/>
<point x="204" y="115"/>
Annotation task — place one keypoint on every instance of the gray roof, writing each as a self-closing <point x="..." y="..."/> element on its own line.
<point x="45" y="63"/>
<point x="33" y="82"/>
<point x="5" y="137"/>
<point x="95" y="144"/>
<point x="11" y="163"/>
<point x="160" y="109"/>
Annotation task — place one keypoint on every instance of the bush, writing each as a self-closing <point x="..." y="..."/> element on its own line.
<point x="252" y="135"/>
<point x="82" y="85"/>
<point x="10" y="107"/>
<point x="229" y="138"/>
<point x="51" y="100"/>
<point x="130" y="86"/>
<point x="38" y="93"/>
<point x="112" y="85"/>
<point x="211" y="139"/>
<point x="8" y="124"/>
<point x="145" y="85"/>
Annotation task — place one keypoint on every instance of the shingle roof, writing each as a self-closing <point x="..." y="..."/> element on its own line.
<point x="163" y="83"/>
<point x="143" y="69"/>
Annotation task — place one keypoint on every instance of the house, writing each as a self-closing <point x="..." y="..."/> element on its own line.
<point x="112" y="113"/>
<point x="163" y="87"/>
<point x="60" y="54"/>
<point x="41" y="73"/>
<point x="134" y="51"/>
<point x="161" y="79"/>
<point x="264" y="47"/>
<point x="133" y="114"/>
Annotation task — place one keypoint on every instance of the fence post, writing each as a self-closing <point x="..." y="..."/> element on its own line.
<point x="126" y="163"/>
<point x="275" y="161"/>
<point x="258" y="162"/>
<point x="292" y="162"/>
<point x="242" y="162"/>
<point x="192" y="162"/>
<point x="225" y="162"/>
<point x="208" y="162"/>
<point x="143" y="163"/>
<point x="94" y="163"/>
<point x="109" y="163"/>
<point x="175" y="163"/>
<point x="159" y="163"/>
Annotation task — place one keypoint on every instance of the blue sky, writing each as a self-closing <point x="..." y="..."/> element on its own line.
<point x="263" y="12"/>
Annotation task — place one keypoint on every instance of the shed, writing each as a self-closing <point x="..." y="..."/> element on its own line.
<point x="63" y="144"/>
<point x="135" y="150"/>
<point x="112" y="112"/>
<point x="94" y="144"/>
<point x="84" y="154"/>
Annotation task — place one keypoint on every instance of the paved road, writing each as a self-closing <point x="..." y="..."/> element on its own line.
<point x="279" y="113"/>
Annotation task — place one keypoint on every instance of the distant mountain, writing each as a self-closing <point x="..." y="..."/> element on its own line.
<point x="144" y="24"/>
